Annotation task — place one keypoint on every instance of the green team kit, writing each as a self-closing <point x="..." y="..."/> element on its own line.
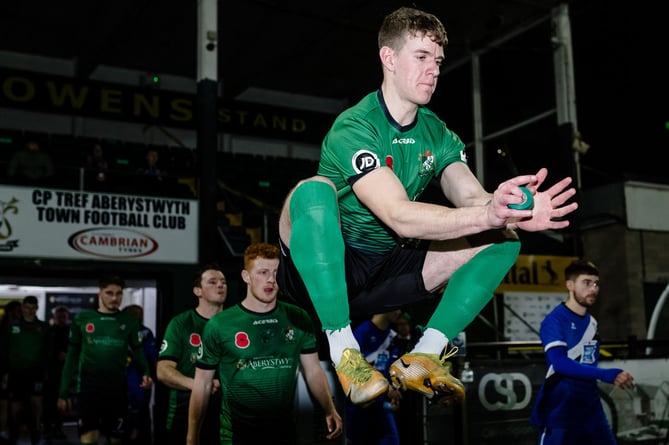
<point x="364" y="138"/>
<point x="182" y="344"/>
<point x="257" y="356"/>
<point x="26" y="345"/>
<point x="98" y="349"/>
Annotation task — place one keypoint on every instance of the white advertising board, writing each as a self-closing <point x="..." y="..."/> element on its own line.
<point x="524" y="312"/>
<point x="65" y="224"/>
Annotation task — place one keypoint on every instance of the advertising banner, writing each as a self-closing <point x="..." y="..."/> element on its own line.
<point x="50" y="93"/>
<point x="536" y="273"/>
<point x="524" y="312"/>
<point x="64" y="224"/>
<point x="501" y="398"/>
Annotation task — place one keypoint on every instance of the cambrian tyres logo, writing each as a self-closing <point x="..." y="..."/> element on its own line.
<point x="113" y="243"/>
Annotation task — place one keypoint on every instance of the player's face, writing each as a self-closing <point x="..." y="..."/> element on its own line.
<point x="262" y="280"/>
<point x="417" y="69"/>
<point x="586" y="289"/>
<point x="110" y="298"/>
<point x="29" y="310"/>
<point x="214" y="286"/>
<point x="61" y="318"/>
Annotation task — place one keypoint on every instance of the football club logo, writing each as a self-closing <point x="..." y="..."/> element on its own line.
<point x="7" y="208"/>
<point x="289" y="336"/>
<point x="426" y="163"/>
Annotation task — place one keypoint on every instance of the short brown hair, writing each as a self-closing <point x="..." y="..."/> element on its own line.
<point x="413" y="21"/>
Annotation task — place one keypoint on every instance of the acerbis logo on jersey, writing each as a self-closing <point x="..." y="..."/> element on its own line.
<point x="364" y="161"/>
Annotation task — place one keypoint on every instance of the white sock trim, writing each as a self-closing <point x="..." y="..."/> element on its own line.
<point x="431" y="342"/>
<point x="340" y="340"/>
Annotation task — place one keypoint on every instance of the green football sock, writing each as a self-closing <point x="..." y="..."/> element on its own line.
<point x="317" y="249"/>
<point x="472" y="286"/>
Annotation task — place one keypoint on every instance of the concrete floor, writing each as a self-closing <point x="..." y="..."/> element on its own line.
<point x="70" y="430"/>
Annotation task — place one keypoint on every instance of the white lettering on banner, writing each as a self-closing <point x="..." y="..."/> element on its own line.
<point x="81" y="225"/>
<point x="503" y="385"/>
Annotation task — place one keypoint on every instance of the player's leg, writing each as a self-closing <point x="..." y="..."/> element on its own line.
<point x="4" y="415"/>
<point x="15" y="418"/>
<point x="574" y="436"/>
<point x="473" y="274"/>
<point x="35" y="418"/>
<point x="472" y="285"/>
<point x="114" y="418"/>
<point x="19" y="389"/>
<point x="36" y="402"/>
<point x="88" y="409"/>
<point x="309" y="227"/>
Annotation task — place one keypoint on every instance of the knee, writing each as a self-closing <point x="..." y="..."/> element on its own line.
<point x="314" y="179"/>
<point x="316" y="192"/>
<point x="492" y="237"/>
<point x="504" y="253"/>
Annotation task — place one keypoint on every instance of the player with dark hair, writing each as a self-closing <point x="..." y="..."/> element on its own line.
<point x="98" y="349"/>
<point x="568" y="408"/>
<point x="59" y="334"/>
<point x="179" y="350"/>
<point x="25" y="348"/>
<point x="138" y="422"/>
<point x="12" y="313"/>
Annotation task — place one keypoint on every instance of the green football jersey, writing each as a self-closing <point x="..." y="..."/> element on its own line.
<point x="258" y="357"/>
<point x="182" y="344"/>
<point x="365" y="137"/>
<point x="27" y="345"/>
<point x="98" y="350"/>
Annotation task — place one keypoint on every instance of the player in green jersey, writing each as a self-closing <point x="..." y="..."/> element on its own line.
<point x="26" y="349"/>
<point x="179" y="350"/>
<point x="12" y="313"/>
<point x="356" y="240"/>
<point x="98" y="349"/>
<point x="257" y="346"/>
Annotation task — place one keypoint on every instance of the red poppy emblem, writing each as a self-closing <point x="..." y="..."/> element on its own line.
<point x="195" y="340"/>
<point x="389" y="161"/>
<point x="242" y="340"/>
<point x="90" y="328"/>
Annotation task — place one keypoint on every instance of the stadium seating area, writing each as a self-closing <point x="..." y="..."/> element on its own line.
<point x="251" y="187"/>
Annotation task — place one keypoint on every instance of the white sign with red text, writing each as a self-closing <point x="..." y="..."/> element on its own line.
<point x="65" y="224"/>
